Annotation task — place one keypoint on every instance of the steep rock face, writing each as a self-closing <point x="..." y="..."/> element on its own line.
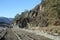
<point x="44" y="14"/>
<point x="36" y="17"/>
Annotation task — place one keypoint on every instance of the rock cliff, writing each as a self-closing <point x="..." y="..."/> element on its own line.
<point x="44" y="14"/>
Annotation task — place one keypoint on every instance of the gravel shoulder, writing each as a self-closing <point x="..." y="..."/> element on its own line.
<point x="25" y="34"/>
<point x="37" y="32"/>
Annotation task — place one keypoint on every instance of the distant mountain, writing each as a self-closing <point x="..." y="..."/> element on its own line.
<point x="6" y="20"/>
<point x="11" y="19"/>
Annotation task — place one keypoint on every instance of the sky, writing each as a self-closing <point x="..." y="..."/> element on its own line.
<point x="9" y="8"/>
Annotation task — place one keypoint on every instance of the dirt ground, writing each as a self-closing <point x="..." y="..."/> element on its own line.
<point x="9" y="35"/>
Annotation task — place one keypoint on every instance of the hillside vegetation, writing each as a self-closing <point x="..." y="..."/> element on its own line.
<point x="45" y="14"/>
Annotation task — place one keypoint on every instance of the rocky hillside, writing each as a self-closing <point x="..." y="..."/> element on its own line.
<point x="44" y="14"/>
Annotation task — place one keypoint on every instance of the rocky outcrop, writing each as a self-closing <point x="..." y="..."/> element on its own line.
<point x="44" y="14"/>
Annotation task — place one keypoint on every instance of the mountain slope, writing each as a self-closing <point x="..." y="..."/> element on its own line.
<point x="44" y="14"/>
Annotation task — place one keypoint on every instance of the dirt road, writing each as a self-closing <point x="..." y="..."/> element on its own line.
<point x="22" y="35"/>
<point x="9" y="35"/>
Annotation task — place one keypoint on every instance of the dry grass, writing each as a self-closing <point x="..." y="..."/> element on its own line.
<point x="53" y="29"/>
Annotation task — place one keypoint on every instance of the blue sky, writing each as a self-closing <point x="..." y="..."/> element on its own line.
<point x="9" y="8"/>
